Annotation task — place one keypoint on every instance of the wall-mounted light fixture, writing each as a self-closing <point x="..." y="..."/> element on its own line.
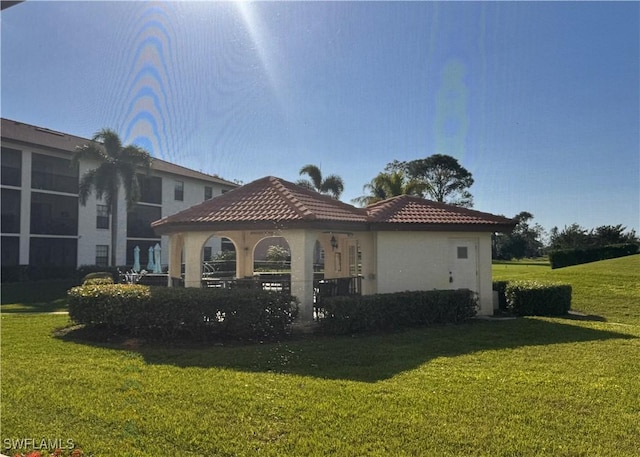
<point x="334" y="243"/>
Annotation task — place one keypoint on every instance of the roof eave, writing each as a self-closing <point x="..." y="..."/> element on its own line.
<point x="441" y="227"/>
<point x="166" y="228"/>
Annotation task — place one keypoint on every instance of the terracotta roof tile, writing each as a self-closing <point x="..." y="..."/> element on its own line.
<point x="268" y="199"/>
<point x="407" y="209"/>
<point x="274" y="201"/>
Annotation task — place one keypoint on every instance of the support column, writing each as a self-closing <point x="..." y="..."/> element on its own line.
<point x="368" y="250"/>
<point x="175" y="257"/>
<point x="244" y="257"/>
<point x="193" y="243"/>
<point x="302" y="243"/>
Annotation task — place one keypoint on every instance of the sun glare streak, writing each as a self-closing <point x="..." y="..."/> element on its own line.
<point x="259" y="37"/>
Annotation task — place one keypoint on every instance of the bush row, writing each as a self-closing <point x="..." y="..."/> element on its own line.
<point x="351" y="314"/>
<point x="567" y="257"/>
<point x="531" y="298"/>
<point x="168" y="313"/>
<point x="23" y="273"/>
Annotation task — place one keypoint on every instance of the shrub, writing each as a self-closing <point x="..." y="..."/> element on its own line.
<point x="531" y="298"/>
<point x="97" y="281"/>
<point x="567" y="257"/>
<point x="111" y="305"/>
<point x="85" y="270"/>
<point x="351" y="314"/>
<point x="166" y="313"/>
<point x="102" y="275"/>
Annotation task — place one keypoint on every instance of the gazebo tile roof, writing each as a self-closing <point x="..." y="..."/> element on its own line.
<point x="406" y="209"/>
<point x="268" y="199"/>
<point x="274" y="200"/>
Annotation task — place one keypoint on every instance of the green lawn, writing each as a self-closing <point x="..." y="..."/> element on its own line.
<point x="610" y="288"/>
<point x="525" y="387"/>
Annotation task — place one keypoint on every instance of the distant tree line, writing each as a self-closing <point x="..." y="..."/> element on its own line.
<point x="576" y="237"/>
<point x="441" y="178"/>
<point x="527" y="238"/>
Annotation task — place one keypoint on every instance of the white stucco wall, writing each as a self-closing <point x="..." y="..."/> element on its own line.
<point x="88" y="235"/>
<point x="422" y="261"/>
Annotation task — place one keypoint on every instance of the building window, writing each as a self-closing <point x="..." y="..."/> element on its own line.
<point x="53" y="173"/>
<point x="150" y="189"/>
<point x="61" y="252"/>
<point x="139" y="221"/>
<point x="102" y="217"/>
<point x="463" y="252"/>
<point x="102" y="255"/>
<point x="227" y="245"/>
<point x="54" y="214"/>
<point x="208" y="192"/>
<point x="11" y="167"/>
<point x="10" y="250"/>
<point x="178" y="192"/>
<point x="208" y="253"/>
<point x="10" y="211"/>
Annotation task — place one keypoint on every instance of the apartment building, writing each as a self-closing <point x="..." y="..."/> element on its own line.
<point x="43" y="222"/>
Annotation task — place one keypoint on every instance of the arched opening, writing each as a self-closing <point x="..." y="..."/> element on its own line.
<point x="272" y="255"/>
<point x="218" y="259"/>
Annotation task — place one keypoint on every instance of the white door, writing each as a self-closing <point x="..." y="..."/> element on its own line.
<point x="463" y="263"/>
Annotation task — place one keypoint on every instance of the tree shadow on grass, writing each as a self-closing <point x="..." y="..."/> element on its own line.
<point x="368" y="358"/>
<point x="58" y="305"/>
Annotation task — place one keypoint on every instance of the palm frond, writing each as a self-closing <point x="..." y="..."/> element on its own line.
<point x="332" y="185"/>
<point x="111" y="141"/>
<point x="86" y="184"/>
<point x="314" y="173"/>
<point x="305" y="183"/>
<point x="137" y="156"/>
<point x="89" y="151"/>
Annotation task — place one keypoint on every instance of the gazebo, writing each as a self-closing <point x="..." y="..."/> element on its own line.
<point x="403" y="243"/>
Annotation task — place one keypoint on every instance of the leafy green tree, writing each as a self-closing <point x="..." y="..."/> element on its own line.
<point x="118" y="167"/>
<point x="331" y="185"/>
<point x="524" y="241"/>
<point x="576" y="237"/>
<point x="440" y="177"/>
<point x="571" y="237"/>
<point x="387" y="185"/>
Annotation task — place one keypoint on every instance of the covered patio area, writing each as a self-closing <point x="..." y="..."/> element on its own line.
<point x="407" y="239"/>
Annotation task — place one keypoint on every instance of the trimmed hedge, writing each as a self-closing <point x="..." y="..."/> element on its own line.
<point x="97" y="281"/>
<point x="168" y="313"/>
<point x="23" y="273"/>
<point x="103" y="275"/>
<point x="567" y="257"/>
<point x="531" y="298"/>
<point x="352" y="314"/>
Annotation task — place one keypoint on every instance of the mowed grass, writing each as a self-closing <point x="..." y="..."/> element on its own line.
<point x="610" y="288"/>
<point x="525" y="387"/>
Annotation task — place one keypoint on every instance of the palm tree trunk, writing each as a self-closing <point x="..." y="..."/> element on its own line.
<point x="114" y="227"/>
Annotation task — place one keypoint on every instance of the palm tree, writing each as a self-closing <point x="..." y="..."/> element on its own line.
<point x="331" y="185"/>
<point x="118" y="166"/>
<point x="387" y="185"/>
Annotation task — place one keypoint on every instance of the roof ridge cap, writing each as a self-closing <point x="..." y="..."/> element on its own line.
<point x="290" y="199"/>
<point x="385" y="207"/>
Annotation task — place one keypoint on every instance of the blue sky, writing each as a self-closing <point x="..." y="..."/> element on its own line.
<point x="539" y="100"/>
